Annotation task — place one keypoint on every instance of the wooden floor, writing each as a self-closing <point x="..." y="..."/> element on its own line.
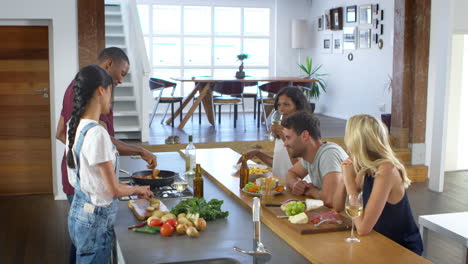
<point x="34" y="227"/>
<point x="331" y="127"/>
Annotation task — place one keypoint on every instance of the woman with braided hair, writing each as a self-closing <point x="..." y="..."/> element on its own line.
<point x="91" y="162"/>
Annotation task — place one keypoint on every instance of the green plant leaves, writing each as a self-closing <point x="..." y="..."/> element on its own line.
<point x="313" y="73"/>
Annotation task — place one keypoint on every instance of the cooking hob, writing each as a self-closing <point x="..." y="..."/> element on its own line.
<point x="158" y="192"/>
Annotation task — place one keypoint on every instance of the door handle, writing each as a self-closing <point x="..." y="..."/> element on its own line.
<point x="45" y="91"/>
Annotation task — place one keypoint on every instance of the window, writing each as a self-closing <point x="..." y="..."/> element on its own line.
<point x="200" y="40"/>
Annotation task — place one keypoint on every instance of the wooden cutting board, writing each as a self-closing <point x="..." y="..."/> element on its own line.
<point x="138" y="207"/>
<point x="309" y="228"/>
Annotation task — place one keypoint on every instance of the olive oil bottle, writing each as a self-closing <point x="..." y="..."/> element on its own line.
<point x="243" y="172"/>
<point x="198" y="182"/>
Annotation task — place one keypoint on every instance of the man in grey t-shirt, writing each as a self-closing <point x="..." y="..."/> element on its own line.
<point x="321" y="160"/>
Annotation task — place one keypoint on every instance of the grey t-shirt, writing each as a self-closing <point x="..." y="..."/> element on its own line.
<point x="328" y="159"/>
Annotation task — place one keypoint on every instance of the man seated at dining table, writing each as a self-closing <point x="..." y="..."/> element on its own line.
<point x="320" y="159"/>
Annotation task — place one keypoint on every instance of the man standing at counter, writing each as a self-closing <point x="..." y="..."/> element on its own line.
<point x="320" y="159"/>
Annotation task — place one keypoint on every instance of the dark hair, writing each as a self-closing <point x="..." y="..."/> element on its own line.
<point x="113" y="53"/>
<point x="297" y="96"/>
<point x="87" y="80"/>
<point x="303" y="121"/>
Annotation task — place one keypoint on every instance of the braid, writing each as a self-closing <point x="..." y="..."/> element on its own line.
<point x="86" y="82"/>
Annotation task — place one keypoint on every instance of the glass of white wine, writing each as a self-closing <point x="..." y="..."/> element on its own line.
<point x="354" y="208"/>
<point x="276" y="117"/>
<point x="180" y="183"/>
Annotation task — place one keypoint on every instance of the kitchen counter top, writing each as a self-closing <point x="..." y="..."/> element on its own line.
<point x="217" y="241"/>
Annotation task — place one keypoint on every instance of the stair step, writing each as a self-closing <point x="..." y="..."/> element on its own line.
<point x="112" y="13"/>
<point x="114" y="24"/>
<point x="124" y="98"/>
<point x="417" y="173"/>
<point x="125" y="113"/>
<point x="125" y="84"/>
<point x="127" y="129"/>
<point x="115" y="35"/>
<point x="117" y="46"/>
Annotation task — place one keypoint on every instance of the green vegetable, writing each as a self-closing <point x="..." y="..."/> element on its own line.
<point x="147" y="229"/>
<point x="207" y="210"/>
<point x="249" y="185"/>
<point x="294" y="208"/>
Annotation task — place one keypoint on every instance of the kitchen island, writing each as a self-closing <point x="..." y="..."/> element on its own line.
<point x="217" y="241"/>
<point x="285" y="244"/>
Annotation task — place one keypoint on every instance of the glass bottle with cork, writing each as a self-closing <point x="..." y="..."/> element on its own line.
<point x="198" y="182"/>
<point x="243" y="172"/>
<point x="190" y="157"/>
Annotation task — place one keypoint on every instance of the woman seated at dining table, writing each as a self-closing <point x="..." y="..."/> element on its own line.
<point x="374" y="169"/>
<point x="288" y="101"/>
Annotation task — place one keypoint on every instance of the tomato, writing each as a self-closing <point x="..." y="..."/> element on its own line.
<point x="167" y="230"/>
<point x="172" y="222"/>
<point x="156" y="222"/>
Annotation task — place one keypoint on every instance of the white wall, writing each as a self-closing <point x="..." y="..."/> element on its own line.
<point x="356" y="86"/>
<point x="61" y="18"/>
<point x="454" y="115"/>
<point x="287" y="57"/>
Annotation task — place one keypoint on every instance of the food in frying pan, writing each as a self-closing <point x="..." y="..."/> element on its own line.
<point x="156" y="173"/>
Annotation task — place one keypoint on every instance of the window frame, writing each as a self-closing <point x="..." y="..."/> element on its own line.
<point x="212" y="67"/>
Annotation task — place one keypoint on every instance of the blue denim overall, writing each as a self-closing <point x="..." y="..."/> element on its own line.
<point x="91" y="227"/>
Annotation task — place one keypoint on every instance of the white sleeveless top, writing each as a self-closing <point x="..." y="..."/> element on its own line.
<point x="281" y="161"/>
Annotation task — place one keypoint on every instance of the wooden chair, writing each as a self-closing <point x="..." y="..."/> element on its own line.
<point x="231" y="94"/>
<point x="157" y="87"/>
<point x="272" y="88"/>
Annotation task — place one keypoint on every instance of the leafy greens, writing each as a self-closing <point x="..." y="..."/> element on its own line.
<point x="208" y="210"/>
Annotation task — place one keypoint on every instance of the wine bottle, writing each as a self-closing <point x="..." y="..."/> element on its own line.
<point x="190" y="158"/>
<point x="243" y="172"/>
<point x="198" y="182"/>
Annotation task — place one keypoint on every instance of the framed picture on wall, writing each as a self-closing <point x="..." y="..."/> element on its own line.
<point x="365" y="38"/>
<point x="375" y="9"/>
<point x="365" y="14"/>
<point x="326" y="43"/>
<point x="326" y="20"/>
<point x="351" y="14"/>
<point x="349" y="38"/>
<point x="337" y="43"/>
<point x="320" y="23"/>
<point x="336" y="16"/>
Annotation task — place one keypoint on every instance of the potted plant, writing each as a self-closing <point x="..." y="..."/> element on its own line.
<point x="313" y="89"/>
<point x="241" y="57"/>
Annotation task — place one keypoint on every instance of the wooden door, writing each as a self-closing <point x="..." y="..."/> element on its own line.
<point x="25" y="143"/>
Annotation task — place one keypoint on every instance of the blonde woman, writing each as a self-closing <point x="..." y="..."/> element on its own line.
<point x="374" y="169"/>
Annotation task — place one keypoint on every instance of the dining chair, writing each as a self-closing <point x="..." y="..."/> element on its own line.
<point x="272" y="88"/>
<point x="231" y="94"/>
<point x="157" y="87"/>
<point x="251" y="95"/>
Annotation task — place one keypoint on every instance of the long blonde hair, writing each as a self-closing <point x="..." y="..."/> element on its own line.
<point x="366" y="140"/>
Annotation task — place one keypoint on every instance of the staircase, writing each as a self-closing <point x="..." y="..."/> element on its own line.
<point x="126" y="115"/>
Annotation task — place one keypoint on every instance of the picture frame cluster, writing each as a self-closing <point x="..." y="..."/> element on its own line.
<point x="352" y="27"/>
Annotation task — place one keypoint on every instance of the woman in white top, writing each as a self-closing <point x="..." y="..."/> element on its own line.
<point x="91" y="161"/>
<point x="288" y="101"/>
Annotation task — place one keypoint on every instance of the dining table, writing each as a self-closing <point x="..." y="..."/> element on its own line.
<point x="203" y="87"/>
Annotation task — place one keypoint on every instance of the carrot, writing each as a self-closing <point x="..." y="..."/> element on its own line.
<point x="254" y="189"/>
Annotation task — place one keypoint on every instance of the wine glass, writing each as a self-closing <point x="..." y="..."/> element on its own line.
<point x="276" y="117"/>
<point x="180" y="183"/>
<point x="354" y="208"/>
